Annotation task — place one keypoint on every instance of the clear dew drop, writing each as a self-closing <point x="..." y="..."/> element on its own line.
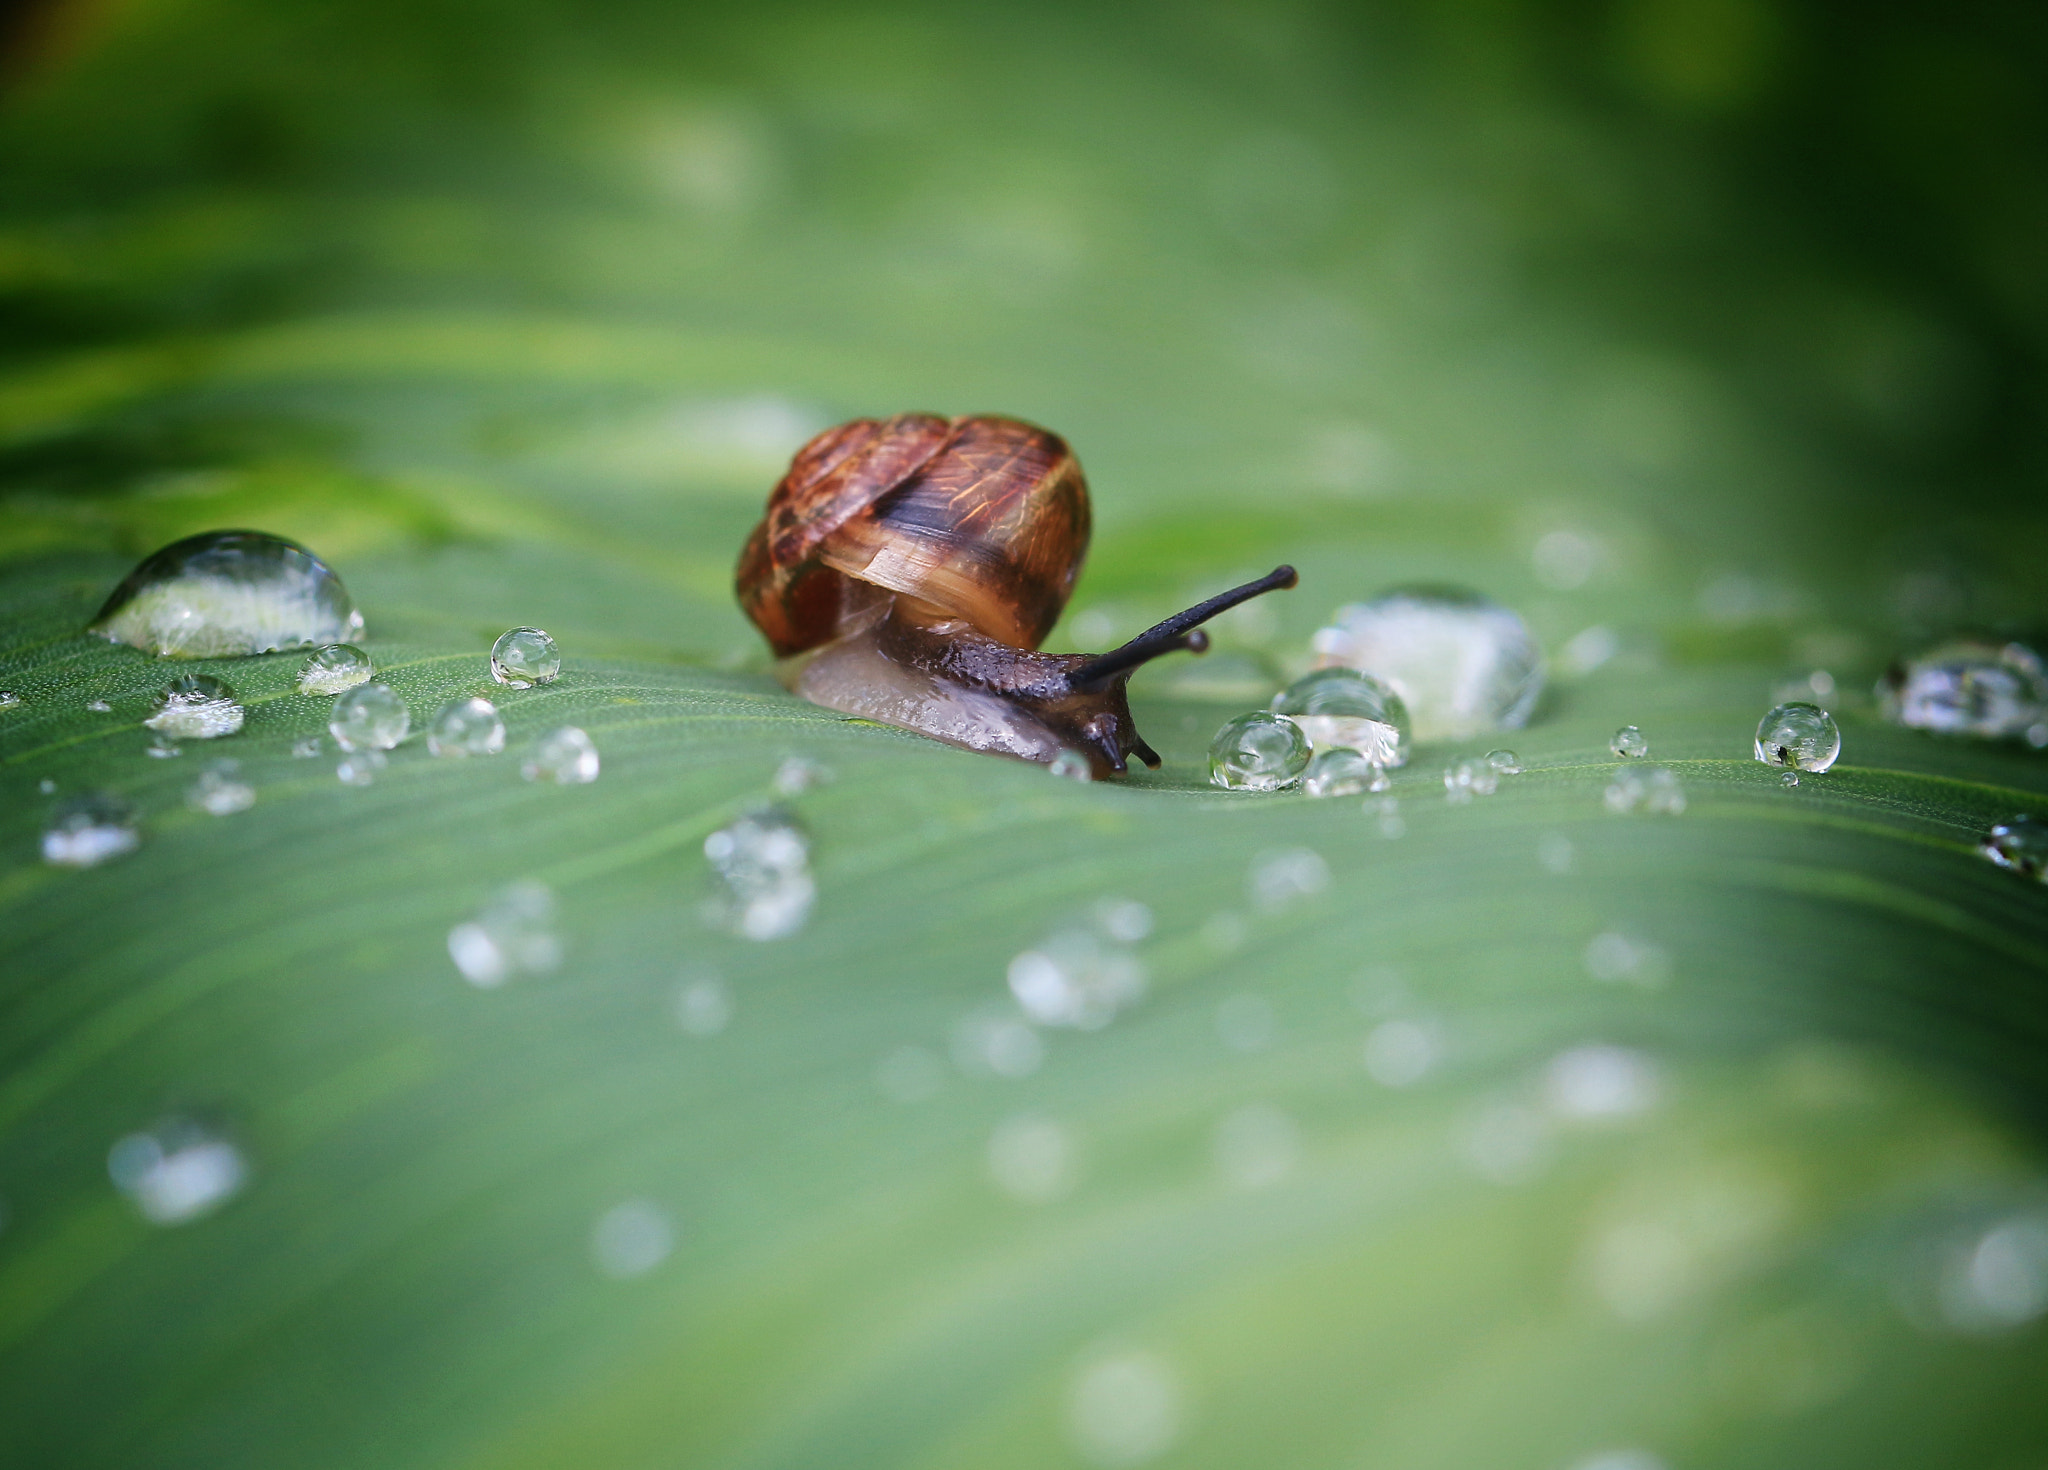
<point x="466" y="727"/>
<point x="567" y="757"/>
<point x="1467" y="779"/>
<point x="1629" y="743"/>
<point x="1987" y="690"/>
<point x="177" y="1172"/>
<point x="1071" y="765"/>
<point x="1505" y="762"/>
<point x="1798" y="736"/>
<point x="1339" y="707"/>
<point x="369" y="717"/>
<point x="360" y="767"/>
<point x="1656" y="791"/>
<point x="229" y="594"/>
<point x="85" y="831"/>
<point x="2021" y="844"/>
<point x="1341" y="771"/>
<point x="762" y="881"/>
<point x="220" y="790"/>
<point x="1789" y="779"/>
<point x="513" y="934"/>
<point x="196" y="707"/>
<point x="631" y="1239"/>
<point x="1461" y="663"/>
<point x="525" y="657"/>
<point x="335" y="669"/>
<point x="1258" y="751"/>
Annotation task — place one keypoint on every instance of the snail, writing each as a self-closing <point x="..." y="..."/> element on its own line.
<point x="907" y="569"/>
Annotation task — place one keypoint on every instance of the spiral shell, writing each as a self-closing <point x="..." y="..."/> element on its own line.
<point x="983" y="518"/>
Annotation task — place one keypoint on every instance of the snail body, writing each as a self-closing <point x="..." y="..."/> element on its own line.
<point x="907" y="569"/>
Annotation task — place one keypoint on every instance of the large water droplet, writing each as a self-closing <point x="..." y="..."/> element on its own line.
<point x="1461" y="663"/>
<point x="1629" y="743"/>
<point x="525" y="657"/>
<point x="335" y="668"/>
<point x="1258" y="751"/>
<point x="1968" y="688"/>
<point x="1340" y="707"/>
<point x="763" y="877"/>
<point x="369" y="717"/>
<point x="514" y="934"/>
<point x="221" y="791"/>
<point x="196" y="707"/>
<point x="1801" y="736"/>
<point x="2019" y="843"/>
<point x="86" y="831"/>
<point x="227" y="594"/>
<point x="567" y="757"/>
<point x="464" y="727"/>
<point x="177" y="1172"/>
<point x="1340" y="771"/>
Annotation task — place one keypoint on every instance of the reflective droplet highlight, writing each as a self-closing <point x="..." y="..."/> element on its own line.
<point x="220" y="790"/>
<point x="1461" y="663"/>
<point x="762" y="877"/>
<point x="513" y="934"/>
<point x="525" y="657"/>
<point x="369" y="717"/>
<point x="567" y="757"/>
<point x="1799" y="736"/>
<point x="1340" y="707"/>
<point x="334" y="669"/>
<point x="2021" y="844"/>
<point x="85" y="831"/>
<point x="1629" y="743"/>
<point x="196" y="707"/>
<point x="229" y="594"/>
<point x="1991" y="691"/>
<point x="466" y="727"/>
<point x="1258" y="751"/>
<point x="1506" y="762"/>
<point x="177" y="1172"/>
<point x="1340" y="771"/>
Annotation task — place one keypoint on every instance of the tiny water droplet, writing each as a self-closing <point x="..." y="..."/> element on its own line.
<point x="763" y="884"/>
<point x="2037" y="734"/>
<point x="221" y="791"/>
<point x="1340" y="771"/>
<point x="1801" y="736"/>
<point x="196" y="707"/>
<point x="1968" y="688"/>
<point x="465" y="727"/>
<point x="334" y="669"/>
<point x="1339" y="707"/>
<point x="525" y="657"/>
<point x="306" y="749"/>
<point x="1506" y="762"/>
<point x="703" y="1003"/>
<point x="511" y="935"/>
<point x="99" y="707"/>
<point x="9" y="699"/>
<point x="1599" y="1081"/>
<point x="567" y="757"/>
<point x="229" y="594"/>
<point x="369" y="717"/>
<point x="1468" y="779"/>
<point x="1399" y="1053"/>
<point x="1790" y="778"/>
<point x="631" y="1239"/>
<point x="47" y="786"/>
<point x="1656" y="791"/>
<point x="1461" y="663"/>
<point x="360" y="767"/>
<point x="1629" y="743"/>
<point x="1258" y="751"/>
<point x="2021" y="844"/>
<point x="177" y="1172"/>
<point x="85" y="831"/>
<point x="798" y="774"/>
<point x="1071" y="765"/>
<point x="162" y="748"/>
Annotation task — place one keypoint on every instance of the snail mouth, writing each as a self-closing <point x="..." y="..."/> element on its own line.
<point x="1182" y="630"/>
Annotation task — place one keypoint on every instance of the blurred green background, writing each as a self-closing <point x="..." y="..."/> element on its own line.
<point x="1709" y="334"/>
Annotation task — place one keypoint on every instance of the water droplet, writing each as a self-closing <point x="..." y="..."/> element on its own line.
<point x="1244" y="1022"/>
<point x="1801" y="736"/>
<point x="9" y="699"/>
<point x="1617" y="959"/>
<point x="99" y="707"/>
<point x="798" y="774"/>
<point x="1996" y="1279"/>
<point x="1967" y="688"/>
<point x="1076" y="977"/>
<point x="1505" y="762"/>
<point x="465" y="727"/>
<point x="1256" y="1146"/>
<point x="511" y="935"/>
<point x="1598" y="1081"/>
<point x="221" y="791"/>
<point x="360" y="767"/>
<point x="1124" y="919"/>
<point x="910" y="1074"/>
<point x="1258" y="751"/>
<point x="525" y="657"/>
<point x="1339" y="707"/>
<point x="2037" y="735"/>
<point x="1340" y="771"/>
<point x="631" y="1239"/>
<point x="334" y="669"/>
<point x="47" y="786"/>
<point x="1790" y="778"/>
<point x="1033" y="1160"/>
<point x="1461" y="663"/>
<point x="1400" y="1053"/>
<point x="1555" y="853"/>
<point x="1656" y="791"/>
<point x="1468" y="779"/>
<point x="704" y="1003"/>
<point x="228" y="594"/>
<point x="86" y="831"/>
<point x="1124" y="1408"/>
<point x="369" y="717"/>
<point x="1628" y="742"/>
<point x="162" y="748"/>
<point x="1279" y="880"/>
<point x="2021" y="844"/>
<point x="566" y="757"/>
<point x="764" y="886"/>
<point x="1071" y="765"/>
<point x="177" y="1172"/>
<point x="196" y="707"/>
<point x="996" y="1043"/>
